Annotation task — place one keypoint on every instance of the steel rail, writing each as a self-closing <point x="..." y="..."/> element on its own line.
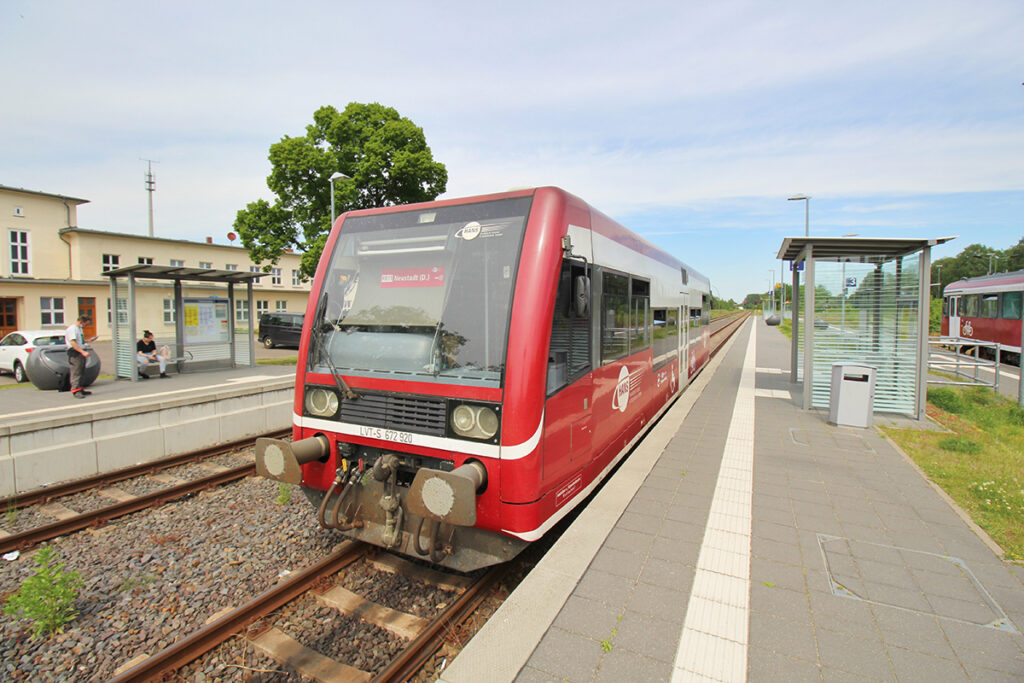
<point x="31" y="537"/>
<point x="427" y="643"/>
<point x="200" y="642"/>
<point x="45" y="495"/>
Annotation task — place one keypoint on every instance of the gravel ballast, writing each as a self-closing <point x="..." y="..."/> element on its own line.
<point x="156" y="576"/>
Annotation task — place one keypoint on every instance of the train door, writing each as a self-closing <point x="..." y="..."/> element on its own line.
<point x="683" y="316"/>
<point x="569" y="407"/>
<point x="954" y="316"/>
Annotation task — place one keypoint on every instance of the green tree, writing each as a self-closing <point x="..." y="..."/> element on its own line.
<point x="384" y="155"/>
<point x="1013" y="258"/>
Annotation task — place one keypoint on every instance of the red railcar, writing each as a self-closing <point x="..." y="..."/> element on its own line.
<point x="470" y="369"/>
<point x="986" y="308"/>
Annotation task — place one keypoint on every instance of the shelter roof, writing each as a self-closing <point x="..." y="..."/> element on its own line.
<point x="181" y="273"/>
<point x="854" y="248"/>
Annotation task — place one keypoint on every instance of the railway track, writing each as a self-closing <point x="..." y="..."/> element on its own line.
<point x="72" y="521"/>
<point x="423" y="636"/>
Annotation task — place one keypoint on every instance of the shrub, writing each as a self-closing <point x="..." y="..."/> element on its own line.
<point x="959" y="444"/>
<point x="1015" y="416"/>
<point x="47" y="598"/>
<point x="946" y="399"/>
<point x="982" y="396"/>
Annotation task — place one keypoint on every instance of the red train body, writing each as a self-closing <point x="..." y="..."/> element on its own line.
<point x="987" y="309"/>
<point x="470" y="369"/>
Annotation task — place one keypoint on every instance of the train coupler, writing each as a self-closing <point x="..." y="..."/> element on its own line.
<point x="282" y="460"/>
<point x="448" y="497"/>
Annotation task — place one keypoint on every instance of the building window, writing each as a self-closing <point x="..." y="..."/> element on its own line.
<point x="177" y="263"/>
<point x="110" y="262"/>
<point x="280" y="306"/>
<point x="230" y="266"/>
<point x="18" y="240"/>
<point x="122" y="311"/>
<point x="168" y="311"/>
<point x="254" y="269"/>
<point x="51" y="310"/>
<point x="146" y="260"/>
<point x="241" y="311"/>
<point x="296" y="279"/>
<point x="262" y="306"/>
<point x="206" y="264"/>
<point x="275" y="276"/>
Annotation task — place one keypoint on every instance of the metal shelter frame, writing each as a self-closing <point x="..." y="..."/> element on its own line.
<point x="177" y="274"/>
<point x="809" y="250"/>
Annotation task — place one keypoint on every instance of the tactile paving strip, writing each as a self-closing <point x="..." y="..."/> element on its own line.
<point x="910" y="580"/>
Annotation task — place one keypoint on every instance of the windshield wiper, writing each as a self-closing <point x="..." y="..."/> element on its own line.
<point x="343" y="387"/>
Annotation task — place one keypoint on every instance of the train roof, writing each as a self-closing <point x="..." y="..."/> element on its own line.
<point x="997" y="282"/>
<point x="600" y="223"/>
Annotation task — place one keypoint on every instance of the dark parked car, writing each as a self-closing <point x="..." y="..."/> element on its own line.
<point x="48" y="367"/>
<point x="280" y="329"/>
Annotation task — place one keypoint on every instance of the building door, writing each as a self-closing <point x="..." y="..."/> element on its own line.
<point x="87" y="306"/>
<point x="8" y="316"/>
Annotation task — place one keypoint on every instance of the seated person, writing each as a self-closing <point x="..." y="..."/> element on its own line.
<point x="146" y="354"/>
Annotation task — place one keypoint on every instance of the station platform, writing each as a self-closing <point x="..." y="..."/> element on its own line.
<point x="747" y="539"/>
<point x="50" y="436"/>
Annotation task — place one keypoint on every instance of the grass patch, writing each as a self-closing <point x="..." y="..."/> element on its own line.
<point x="980" y="464"/>
<point x="287" y="360"/>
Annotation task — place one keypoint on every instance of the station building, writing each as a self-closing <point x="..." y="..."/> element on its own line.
<point x="52" y="270"/>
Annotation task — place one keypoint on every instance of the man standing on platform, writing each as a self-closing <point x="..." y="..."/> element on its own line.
<point x="77" y="355"/>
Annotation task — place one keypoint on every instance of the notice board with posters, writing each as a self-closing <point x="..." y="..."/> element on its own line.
<point x="206" y="321"/>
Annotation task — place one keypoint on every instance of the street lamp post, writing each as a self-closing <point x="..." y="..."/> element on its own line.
<point x="806" y="199"/>
<point x="332" y="179"/>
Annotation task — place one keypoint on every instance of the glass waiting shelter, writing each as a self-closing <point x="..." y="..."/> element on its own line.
<point x="205" y="334"/>
<point x="864" y="301"/>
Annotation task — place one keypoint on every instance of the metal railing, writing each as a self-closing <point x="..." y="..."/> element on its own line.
<point x="963" y="364"/>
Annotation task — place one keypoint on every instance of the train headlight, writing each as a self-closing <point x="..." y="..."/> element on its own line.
<point x="487" y="422"/>
<point x="321" y="402"/>
<point x="474" y="422"/>
<point x="463" y="420"/>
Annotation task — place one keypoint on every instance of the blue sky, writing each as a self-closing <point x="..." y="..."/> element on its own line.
<point x="691" y="123"/>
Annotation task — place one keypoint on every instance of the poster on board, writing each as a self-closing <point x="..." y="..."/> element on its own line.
<point x="206" y="321"/>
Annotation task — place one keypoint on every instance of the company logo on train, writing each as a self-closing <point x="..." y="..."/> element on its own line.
<point x="470" y="369"/>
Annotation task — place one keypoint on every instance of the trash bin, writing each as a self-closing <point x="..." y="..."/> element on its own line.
<point x="853" y="394"/>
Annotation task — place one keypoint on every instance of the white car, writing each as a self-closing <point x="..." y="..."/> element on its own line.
<point x="15" y="347"/>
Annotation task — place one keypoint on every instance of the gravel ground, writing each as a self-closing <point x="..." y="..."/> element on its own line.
<point x="338" y="636"/>
<point x="140" y="486"/>
<point x="16" y="521"/>
<point x="396" y="591"/>
<point x="86" y="501"/>
<point x="153" y="577"/>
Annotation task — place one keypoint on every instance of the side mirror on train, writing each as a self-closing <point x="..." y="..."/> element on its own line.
<point x="581" y="296"/>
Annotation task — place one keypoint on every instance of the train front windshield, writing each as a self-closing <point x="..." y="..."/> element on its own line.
<point x="421" y="295"/>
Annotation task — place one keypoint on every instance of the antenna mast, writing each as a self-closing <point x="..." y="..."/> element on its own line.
<point x="150" y="188"/>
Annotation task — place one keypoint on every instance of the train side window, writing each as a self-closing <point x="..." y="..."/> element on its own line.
<point x="569" y="351"/>
<point x="1011" y="305"/>
<point x="614" y="317"/>
<point x="639" y="315"/>
<point x="666" y="336"/>
<point x="990" y="306"/>
<point x="945" y="305"/>
<point x="970" y="305"/>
